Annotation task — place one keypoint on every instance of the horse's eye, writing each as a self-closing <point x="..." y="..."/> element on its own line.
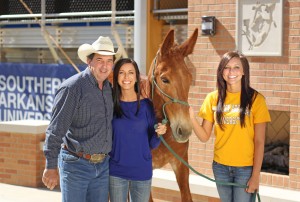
<point x="165" y="80"/>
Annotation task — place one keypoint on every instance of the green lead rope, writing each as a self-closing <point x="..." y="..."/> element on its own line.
<point x="210" y="179"/>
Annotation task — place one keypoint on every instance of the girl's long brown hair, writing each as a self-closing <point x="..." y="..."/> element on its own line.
<point x="248" y="94"/>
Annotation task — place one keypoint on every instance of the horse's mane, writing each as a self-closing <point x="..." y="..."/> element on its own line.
<point x="145" y="87"/>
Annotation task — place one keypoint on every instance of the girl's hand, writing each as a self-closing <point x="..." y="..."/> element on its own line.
<point x="253" y="184"/>
<point x="161" y="129"/>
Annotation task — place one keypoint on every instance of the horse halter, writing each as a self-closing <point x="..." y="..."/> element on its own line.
<point x="172" y="100"/>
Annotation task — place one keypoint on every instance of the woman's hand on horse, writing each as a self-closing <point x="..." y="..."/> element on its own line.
<point x="161" y="129"/>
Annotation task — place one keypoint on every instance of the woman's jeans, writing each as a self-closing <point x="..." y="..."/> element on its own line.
<point x="139" y="191"/>
<point x="239" y="175"/>
<point x="81" y="180"/>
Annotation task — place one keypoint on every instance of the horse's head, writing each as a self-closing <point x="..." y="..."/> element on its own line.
<point x="170" y="79"/>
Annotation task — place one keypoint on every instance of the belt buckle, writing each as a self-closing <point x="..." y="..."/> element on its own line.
<point x="97" y="158"/>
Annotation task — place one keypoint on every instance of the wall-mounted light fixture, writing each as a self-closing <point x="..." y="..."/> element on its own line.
<point x="208" y="25"/>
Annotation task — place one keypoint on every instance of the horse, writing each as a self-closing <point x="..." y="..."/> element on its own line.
<point x="169" y="80"/>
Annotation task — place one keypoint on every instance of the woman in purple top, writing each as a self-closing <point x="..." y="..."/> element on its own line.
<point x="133" y="136"/>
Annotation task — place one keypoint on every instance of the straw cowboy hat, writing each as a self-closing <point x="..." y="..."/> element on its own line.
<point x="103" y="46"/>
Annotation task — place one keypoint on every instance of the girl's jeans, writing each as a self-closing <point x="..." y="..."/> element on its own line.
<point x="239" y="175"/>
<point x="139" y="191"/>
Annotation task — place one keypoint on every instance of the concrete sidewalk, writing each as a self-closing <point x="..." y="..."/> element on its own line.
<point x="14" y="193"/>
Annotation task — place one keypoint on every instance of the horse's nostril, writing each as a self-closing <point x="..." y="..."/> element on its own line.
<point x="179" y="131"/>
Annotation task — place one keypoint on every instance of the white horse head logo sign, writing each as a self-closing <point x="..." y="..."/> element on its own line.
<point x="257" y="28"/>
<point x="260" y="27"/>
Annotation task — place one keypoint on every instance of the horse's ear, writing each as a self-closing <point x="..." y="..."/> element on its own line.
<point x="187" y="47"/>
<point x="167" y="43"/>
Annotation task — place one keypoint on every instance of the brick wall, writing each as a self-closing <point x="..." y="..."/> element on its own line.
<point x="21" y="158"/>
<point x="277" y="78"/>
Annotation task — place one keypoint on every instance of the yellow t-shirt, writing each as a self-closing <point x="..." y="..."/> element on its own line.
<point x="234" y="146"/>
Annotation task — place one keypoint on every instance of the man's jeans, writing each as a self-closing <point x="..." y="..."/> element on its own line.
<point x="81" y="180"/>
<point x="239" y="175"/>
<point x="119" y="187"/>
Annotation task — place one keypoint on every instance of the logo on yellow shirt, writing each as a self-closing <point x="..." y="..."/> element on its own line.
<point x="231" y="113"/>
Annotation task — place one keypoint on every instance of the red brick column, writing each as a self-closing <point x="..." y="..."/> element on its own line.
<point x="21" y="157"/>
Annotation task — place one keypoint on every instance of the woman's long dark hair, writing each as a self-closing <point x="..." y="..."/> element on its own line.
<point x="248" y="94"/>
<point x="117" y="92"/>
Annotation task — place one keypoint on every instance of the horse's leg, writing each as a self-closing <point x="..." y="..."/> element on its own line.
<point x="160" y="157"/>
<point x="182" y="177"/>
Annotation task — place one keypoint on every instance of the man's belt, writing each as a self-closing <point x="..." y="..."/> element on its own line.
<point x="93" y="158"/>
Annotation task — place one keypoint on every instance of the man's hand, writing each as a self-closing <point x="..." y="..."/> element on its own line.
<point x="50" y="178"/>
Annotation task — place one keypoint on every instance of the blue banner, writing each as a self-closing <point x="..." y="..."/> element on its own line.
<point x="27" y="90"/>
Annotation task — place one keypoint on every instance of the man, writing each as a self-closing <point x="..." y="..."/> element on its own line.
<point x="79" y="135"/>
